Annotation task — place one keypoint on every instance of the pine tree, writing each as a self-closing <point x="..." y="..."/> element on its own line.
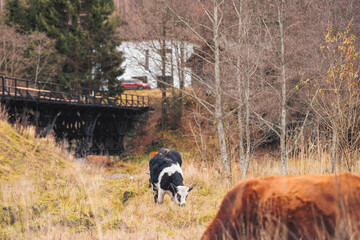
<point x="85" y="34"/>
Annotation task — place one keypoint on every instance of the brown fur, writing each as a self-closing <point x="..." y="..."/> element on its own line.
<point x="101" y="161"/>
<point x="307" y="207"/>
<point x="152" y="154"/>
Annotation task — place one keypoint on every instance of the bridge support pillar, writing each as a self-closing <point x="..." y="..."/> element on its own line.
<point x="89" y="132"/>
<point x="49" y="124"/>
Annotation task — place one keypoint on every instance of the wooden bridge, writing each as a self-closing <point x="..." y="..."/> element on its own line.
<point x="92" y="121"/>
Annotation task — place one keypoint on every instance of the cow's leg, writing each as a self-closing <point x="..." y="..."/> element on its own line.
<point x="155" y="196"/>
<point x="155" y="192"/>
<point x="161" y="195"/>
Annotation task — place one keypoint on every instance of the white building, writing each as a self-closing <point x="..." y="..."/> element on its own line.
<point x="142" y="60"/>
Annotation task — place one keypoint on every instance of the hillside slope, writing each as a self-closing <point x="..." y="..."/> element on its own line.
<point x="45" y="194"/>
<point x="23" y="155"/>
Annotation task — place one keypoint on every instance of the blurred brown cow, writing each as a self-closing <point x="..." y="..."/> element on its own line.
<point x="297" y="207"/>
<point x="101" y="161"/>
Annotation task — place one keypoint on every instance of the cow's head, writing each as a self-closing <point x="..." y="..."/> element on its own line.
<point x="181" y="193"/>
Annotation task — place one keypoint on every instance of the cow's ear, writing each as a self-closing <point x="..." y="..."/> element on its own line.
<point x="190" y="188"/>
<point x="173" y="187"/>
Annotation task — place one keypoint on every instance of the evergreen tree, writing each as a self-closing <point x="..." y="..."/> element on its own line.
<point x="85" y="34"/>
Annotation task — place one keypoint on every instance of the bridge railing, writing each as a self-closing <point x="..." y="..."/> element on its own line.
<point x="16" y="88"/>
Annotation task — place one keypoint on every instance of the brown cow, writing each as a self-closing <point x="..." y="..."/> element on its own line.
<point x="294" y="207"/>
<point x="102" y="161"/>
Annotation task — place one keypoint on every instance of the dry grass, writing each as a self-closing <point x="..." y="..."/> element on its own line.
<point x="44" y="194"/>
<point x="154" y="94"/>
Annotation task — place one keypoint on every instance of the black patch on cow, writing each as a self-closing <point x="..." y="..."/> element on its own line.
<point x="176" y="179"/>
<point x="172" y="154"/>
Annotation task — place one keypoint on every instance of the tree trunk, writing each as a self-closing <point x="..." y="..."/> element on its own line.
<point x="247" y="127"/>
<point x="181" y="74"/>
<point x="241" y="100"/>
<point x="283" y="91"/>
<point x="333" y="150"/>
<point x="163" y="87"/>
<point x="182" y="70"/>
<point x="241" y="138"/>
<point x="218" y="100"/>
<point x="164" y="121"/>
<point x="37" y="71"/>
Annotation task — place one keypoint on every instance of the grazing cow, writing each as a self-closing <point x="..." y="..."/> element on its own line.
<point x="166" y="177"/>
<point x="302" y="207"/>
<point x="170" y="153"/>
<point x="102" y="161"/>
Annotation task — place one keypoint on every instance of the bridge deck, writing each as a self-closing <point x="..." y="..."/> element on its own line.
<point x="43" y="92"/>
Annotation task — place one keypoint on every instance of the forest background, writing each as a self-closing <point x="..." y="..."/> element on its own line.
<point x="268" y="77"/>
<point x="271" y="76"/>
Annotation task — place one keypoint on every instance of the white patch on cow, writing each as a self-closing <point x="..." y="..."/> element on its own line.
<point x="168" y="193"/>
<point x="170" y="171"/>
<point x="180" y="197"/>
<point x="161" y="195"/>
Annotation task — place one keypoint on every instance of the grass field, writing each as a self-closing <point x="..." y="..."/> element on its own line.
<point x="46" y="194"/>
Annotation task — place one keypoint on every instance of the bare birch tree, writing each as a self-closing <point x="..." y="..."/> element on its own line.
<point x="212" y="9"/>
<point x="246" y="67"/>
<point x="218" y="101"/>
<point x="283" y="87"/>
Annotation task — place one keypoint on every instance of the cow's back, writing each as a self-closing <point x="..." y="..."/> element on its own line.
<point x="309" y="205"/>
<point x="172" y="154"/>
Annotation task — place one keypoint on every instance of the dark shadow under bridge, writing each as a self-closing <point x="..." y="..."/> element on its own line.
<point x="92" y="121"/>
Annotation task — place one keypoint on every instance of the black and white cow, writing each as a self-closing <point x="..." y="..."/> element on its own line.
<point x="166" y="177"/>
